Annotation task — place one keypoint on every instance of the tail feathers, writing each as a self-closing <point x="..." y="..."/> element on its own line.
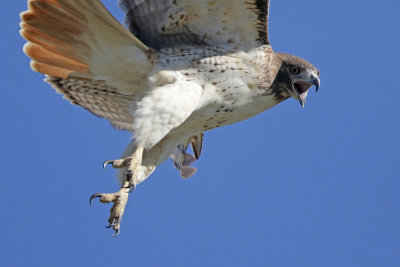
<point x="52" y="60"/>
<point x="80" y="38"/>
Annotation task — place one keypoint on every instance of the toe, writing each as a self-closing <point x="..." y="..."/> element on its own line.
<point x="118" y="163"/>
<point x="104" y="198"/>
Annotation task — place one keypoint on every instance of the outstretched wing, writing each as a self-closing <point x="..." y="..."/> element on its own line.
<point x="170" y="23"/>
<point x="88" y="56"/>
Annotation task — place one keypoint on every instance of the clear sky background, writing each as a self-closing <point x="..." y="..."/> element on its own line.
<point x="317" y="186"/>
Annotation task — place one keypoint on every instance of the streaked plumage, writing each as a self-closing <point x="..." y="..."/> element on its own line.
<point x="182" y="68"/>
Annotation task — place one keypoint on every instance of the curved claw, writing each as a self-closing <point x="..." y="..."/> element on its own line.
<point x="133" y="187"/>
<point x="114" y="223"/>
<point x="106" y="163"/>
<point x="93" y="197"/>
<point x="116" y="233"/>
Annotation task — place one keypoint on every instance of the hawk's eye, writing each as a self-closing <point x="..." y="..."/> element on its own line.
<point x="294" y="70"/>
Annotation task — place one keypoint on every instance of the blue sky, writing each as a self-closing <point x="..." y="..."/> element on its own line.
<point x="291" y="187"/>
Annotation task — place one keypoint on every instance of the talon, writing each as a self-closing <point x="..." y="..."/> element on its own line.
<point x="106" y="163"/>
<point x="132" y="187"/>
<point x="110" y="225"/>
<point x="116" y="233"/>
<point x="115" y="222"/>
<point x="93" y="197"/>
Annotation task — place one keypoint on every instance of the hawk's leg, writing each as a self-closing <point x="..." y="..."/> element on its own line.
<point x="132" y="165"/>
<point x="120" y="198"/>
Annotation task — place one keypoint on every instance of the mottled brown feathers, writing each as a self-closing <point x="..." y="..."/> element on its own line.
<point x="168" y="23"/>
<point x="263" y="12"/>
<point x="196" y="142"/>
<point x="294" y="60"/>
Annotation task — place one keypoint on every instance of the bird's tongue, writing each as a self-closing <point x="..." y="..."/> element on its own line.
<point x="302" y="90"/>
<point x="302" y="98"/>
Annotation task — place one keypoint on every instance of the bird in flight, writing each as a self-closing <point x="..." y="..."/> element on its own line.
<point x="180" y="68"/>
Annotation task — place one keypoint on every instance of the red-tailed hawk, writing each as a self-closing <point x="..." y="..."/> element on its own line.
<point x="182" y="68"/>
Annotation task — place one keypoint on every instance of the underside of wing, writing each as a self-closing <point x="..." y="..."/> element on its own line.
<point x="171" y="23"/>
<point x="88" y="55"/>
<point x="98" y="98"/>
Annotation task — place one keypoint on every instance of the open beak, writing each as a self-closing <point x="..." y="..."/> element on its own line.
<point x="301" y="88"/>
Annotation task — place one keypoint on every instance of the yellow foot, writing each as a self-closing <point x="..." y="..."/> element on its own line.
<point x="119" y="199"/>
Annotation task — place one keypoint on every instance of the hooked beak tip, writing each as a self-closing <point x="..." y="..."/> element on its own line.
<point x="317" y="83"/>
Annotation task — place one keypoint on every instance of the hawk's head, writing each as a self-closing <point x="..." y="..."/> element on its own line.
<point x="295" y="77"/>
